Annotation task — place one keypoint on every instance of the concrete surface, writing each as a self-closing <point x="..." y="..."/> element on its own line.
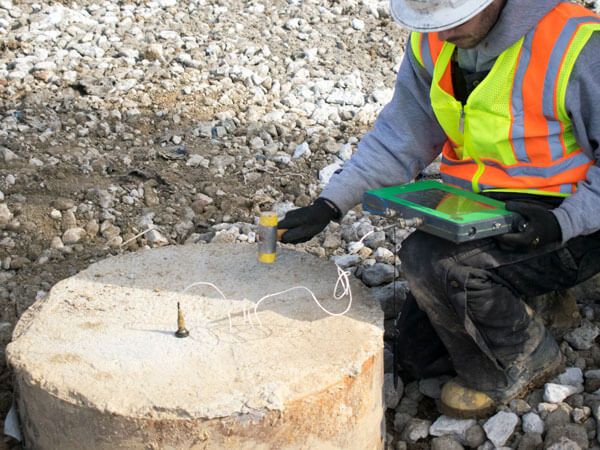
<point x="97" y="365"/>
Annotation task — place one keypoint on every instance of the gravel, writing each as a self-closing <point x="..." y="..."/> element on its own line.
<point x="135" y="125"/>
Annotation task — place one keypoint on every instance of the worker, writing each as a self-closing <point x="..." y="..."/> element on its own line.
<point x="508" y="92"/>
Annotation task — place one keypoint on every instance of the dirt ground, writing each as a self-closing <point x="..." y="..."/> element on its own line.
<point x="68" y="181"/>
<point x="65" y="171"/>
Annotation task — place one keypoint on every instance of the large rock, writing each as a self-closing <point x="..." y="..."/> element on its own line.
<point x="458" y="428"/>
<point x="500" y="427"/>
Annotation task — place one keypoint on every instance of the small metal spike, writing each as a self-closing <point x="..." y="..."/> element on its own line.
<point x="181" y="330"/>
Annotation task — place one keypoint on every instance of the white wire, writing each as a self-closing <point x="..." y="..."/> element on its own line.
<point x="365" y="236"/>
<point x="247" y="316"/>
<point x="206" y="283"/>
<point x="150" y="228"/>
<point x="122" y="244"/>
<point x="342" y="279"/>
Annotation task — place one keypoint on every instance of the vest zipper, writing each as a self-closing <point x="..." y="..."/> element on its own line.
<point x="461" y="121"/>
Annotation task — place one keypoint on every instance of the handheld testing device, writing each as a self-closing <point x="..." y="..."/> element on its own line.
<point x="443" y="210"/>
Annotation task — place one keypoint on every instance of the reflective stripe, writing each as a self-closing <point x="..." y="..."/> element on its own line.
<point x="578" y="41"/>
<point x="424" y="46"/>
<point x="573" y="162"/>
<point x="518" y="109"/>
<point x="544" y="172"/>
<point x="548" y="97"/>
<point x="455" y="181"/>
<point x="426" y="54"/>
<point x="466" y="185"/>
<point x="566" y="189"/>
<point x="548" y="100"/>
<point x="415" y="46"/>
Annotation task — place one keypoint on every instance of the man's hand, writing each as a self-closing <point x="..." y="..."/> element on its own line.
<point x="303" y="223"/>
<point x="540" y="226"/>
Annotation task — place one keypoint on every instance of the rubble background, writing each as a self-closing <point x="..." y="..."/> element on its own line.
<point x="130" y="124"/>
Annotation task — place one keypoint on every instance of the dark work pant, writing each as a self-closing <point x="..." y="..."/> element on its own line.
<point x="473" y="295"/>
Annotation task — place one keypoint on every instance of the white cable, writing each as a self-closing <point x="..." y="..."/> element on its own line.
<point x="206" y="283"/>
<point x="342" y="278"/>
<point x="122" y="244"/>
<point x="247" y="316"/>
<point x="150" y="228"/>
<point x="365" y="236"/>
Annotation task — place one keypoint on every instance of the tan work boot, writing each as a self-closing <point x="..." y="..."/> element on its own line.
<point x="457" y="400"/>
<point x="462" y="402"/>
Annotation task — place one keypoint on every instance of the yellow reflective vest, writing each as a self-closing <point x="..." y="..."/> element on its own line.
<point x="514" y="132"/>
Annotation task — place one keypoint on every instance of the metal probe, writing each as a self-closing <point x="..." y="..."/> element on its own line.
<point x="181" y="330"/>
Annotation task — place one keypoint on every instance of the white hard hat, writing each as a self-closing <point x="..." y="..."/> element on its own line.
<point x="435" y="15"/>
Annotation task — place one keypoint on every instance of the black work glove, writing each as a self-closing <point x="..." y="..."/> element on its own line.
<point x="538" y="227"/>
<point x="303" y="223"/>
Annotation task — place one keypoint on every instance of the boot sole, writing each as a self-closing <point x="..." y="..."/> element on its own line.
<point x="462" y="414"/>
<point x="545" y="375"/>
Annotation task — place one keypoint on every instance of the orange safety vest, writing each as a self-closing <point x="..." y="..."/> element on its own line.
<point x="513" y="133"/>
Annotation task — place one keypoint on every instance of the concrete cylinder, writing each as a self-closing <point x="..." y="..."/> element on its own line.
<point x="97" y="364"/>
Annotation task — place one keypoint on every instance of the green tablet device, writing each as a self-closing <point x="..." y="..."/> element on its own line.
<point x="445" y="211"/>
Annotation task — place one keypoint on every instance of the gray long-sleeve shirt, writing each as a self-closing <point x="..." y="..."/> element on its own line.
<point x="406" y="135"/>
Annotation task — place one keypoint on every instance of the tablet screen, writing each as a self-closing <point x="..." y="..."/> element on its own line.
<point x="445" y="202"/>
